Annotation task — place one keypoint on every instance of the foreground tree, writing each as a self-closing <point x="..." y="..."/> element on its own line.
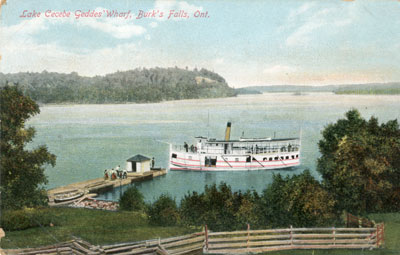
<point x="22" y="172"/>
<point x="164" y="212"/>
<point x="360" y="164"/>
<point x="299" y="200"/>
<point x="132" y="200"/>
<point x="220" y="208"/>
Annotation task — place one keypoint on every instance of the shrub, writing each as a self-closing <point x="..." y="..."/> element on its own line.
<point x="164" y="212"/>
<point x="132" y="200"/>
<point x="27" y="218"/>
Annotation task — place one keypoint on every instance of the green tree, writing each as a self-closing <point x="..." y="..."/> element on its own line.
<point x="132" y="200"/>
<point x="299" y="200"/>
<point x="193" y="209"/>
<point x="220" y="208"/>
<point x="248" y="211"/>
<point x="360" y="163"/>
<point x="164" y="212"/>
<point x="22" y="172"/>
<point x="220" y="213"/>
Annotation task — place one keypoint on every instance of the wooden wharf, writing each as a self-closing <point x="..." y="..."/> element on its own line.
<point x="101" y="185"/>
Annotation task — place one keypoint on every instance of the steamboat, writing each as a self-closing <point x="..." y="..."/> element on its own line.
<point x="235" y="155"/>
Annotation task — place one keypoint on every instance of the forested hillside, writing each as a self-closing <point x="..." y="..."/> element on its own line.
<point x="137" y="86"/>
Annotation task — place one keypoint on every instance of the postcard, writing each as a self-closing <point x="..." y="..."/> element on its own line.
<point x="200" y="118"/>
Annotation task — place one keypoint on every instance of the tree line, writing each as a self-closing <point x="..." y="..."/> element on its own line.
<point x="140" y="85"/>
<point x="367" y="88"/>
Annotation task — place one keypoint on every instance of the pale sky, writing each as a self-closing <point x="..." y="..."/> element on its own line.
<point x="247" y="42"/>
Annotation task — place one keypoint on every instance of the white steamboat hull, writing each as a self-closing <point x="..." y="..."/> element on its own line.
<point x="201" y="162"/>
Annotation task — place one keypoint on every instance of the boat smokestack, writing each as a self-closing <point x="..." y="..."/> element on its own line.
<point x="228" y="131"/>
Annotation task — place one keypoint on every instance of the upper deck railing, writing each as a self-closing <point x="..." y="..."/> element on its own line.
<point x="237" y="150"/>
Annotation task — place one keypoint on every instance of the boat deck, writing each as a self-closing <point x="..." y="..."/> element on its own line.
<point x="100" y="185"/>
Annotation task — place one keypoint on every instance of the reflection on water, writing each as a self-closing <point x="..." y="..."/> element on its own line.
<point x="90" y="138"/>
<point x="209" y="178"/>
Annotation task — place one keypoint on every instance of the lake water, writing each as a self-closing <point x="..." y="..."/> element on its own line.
<point x="90" y="138"/>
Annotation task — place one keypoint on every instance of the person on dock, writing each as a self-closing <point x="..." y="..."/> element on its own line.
<point x="152" y="162"/>
<point x="113" y="174"/>
<point x="119" y="173"/>
<point x="186" y="146"/>
<point x="105" y="174"/>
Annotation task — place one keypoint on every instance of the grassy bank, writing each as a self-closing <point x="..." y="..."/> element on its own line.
<point x="94" y="226"/>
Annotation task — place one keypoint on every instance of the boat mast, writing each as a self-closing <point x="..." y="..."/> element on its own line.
<point x="301" y="133"/>
<point x="208" y="125"/>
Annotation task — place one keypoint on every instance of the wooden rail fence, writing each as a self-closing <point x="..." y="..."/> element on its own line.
<point x="257" y="241"/>
<point x="168" y="246"/>
<point x="174" y="245"/>
<point x="248" y="241"/>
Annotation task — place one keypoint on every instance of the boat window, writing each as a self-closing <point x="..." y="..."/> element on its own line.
<point x="207" y="161"/>
<point x="265" y="159"/>
<point x="297" y="155"/>
<point x="276" y="158"/>
<point x="173" y="155"/>
<point x="210" y="161"/>
<point x="270" y="159"/>
<point x="292" y="156"/>
<point x="282" y="157"/>
<point x="248" y="159"/>
<point x="287" y="157"/>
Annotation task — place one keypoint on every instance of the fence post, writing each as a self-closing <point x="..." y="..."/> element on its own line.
<point x="248" y="235"/>
<point x="206" y="236"/>
<point x="334" y="236"/>
<point x="380" y="234"/>
<point x="291" y="235"/>
<point x="383" y="233"/>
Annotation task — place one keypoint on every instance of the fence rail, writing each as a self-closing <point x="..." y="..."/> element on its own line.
<point x="257" y="241"/>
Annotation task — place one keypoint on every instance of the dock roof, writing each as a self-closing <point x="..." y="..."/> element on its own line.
<point x="138" y="158"/>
